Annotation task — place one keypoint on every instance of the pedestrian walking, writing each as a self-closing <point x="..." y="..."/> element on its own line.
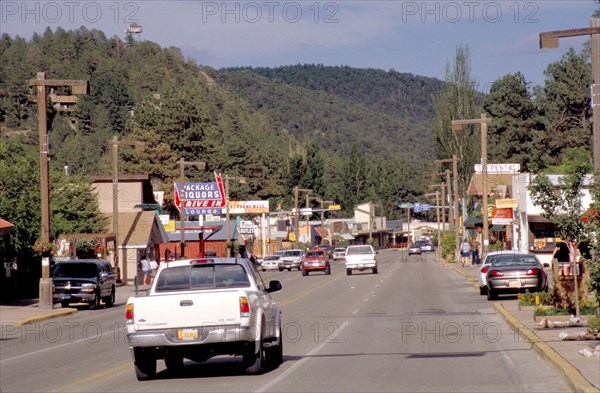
<point x="153" y="270"/>
<point x="145" y="263"/>
<point x="465" y="252"/>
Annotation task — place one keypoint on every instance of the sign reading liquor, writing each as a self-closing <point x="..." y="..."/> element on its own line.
<point x="201" y="198"/>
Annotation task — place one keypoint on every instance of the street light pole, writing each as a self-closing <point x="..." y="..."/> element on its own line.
<point x="297" y="212"/>
<point x="228" y="244"/>
<point x="483" y="122"/>
<point x="549" y="39"/>
<point x="182" y="163"/>
<point x="139" y="146"/>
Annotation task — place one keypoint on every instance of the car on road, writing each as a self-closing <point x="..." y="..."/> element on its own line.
<point x="360" y="257"/>
<point x="426" y="245"/>
<point x="414" y="248"/>
<point x="291" y="259"/>
<point x="485" y="265"/>
<point x="84" y="281"/>
<point x="315" y="261"/>
<point x="270" y="262"/>
<point x="339" y="253"/>
<point x="515" y="273"/>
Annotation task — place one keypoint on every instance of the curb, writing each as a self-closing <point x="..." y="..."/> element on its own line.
<point x="44" y="317"/>
<point x="573" y="377"/>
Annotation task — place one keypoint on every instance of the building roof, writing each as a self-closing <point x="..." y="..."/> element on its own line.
<point x="5" y="227"/>
<point x="140" y="229"/>
<point x="493" y="180"/>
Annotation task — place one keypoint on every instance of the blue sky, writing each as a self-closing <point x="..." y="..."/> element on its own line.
<point x="419" y="37"/>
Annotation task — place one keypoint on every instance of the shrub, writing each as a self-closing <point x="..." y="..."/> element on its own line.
<point x="448" y="244"/>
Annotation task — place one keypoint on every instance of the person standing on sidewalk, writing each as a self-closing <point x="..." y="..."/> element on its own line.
<point x="475" y="251"/>
<point x="153" y="269"/>
<point x="465" y="252"/>
<point x="145" y="270"/>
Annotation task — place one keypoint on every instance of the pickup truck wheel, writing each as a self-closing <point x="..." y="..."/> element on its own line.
<point x="110" y="300"/>
<point x="482" y="290"/>
<point x="289" y="269"/>
<point x="375" y="270"/>
<point x="491" y="295"/>
<point x="275" y="354"/>
<point x="348" y="272"/>
<point x="280" y="269"/>
<point x="96" y="302"/>
<point x="255" y="362"/>
<point x="64" y="304"/>
<point x="304" y="273"/>
<point x="145" y="366"/>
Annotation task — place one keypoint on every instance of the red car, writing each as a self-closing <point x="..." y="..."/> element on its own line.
<point x="315" y="260"/>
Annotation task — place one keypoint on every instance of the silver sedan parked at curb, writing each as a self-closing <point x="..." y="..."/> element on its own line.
<point x="515" y="273"/>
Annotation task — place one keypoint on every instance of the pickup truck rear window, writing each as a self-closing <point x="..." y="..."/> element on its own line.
<point x="209" y="276"/>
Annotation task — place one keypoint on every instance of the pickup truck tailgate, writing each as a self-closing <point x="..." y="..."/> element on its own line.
<point x="201" y="308"/>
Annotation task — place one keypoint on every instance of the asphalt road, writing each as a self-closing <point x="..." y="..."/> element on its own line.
<point x="415" y="326"/>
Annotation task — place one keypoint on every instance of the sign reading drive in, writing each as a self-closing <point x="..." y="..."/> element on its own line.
<point x="201" y="198"/>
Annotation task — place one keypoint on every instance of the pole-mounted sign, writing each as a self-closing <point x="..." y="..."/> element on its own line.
<point x="201" y="198"/>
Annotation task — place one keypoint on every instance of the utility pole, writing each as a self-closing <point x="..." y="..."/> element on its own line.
<point x="322" y="204"/>
<point x="77" y="87"/>
<point x="229" y="244"/>
<point x="296" y="211"/>
<point x="454" y="221"/>
<point x="549" y="39"/>
<point x="139" y="146"/>
<point x="483" y="121"/>
<point x="200" y="165"/>
<point x="437" y="213"/>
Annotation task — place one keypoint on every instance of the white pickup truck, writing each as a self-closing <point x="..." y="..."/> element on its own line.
<point x="200" y="308"/>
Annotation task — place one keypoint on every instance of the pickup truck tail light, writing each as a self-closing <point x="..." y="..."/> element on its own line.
<point x="244" y="307"/>
<point x="484" y="270"/>
<point x="129" y="312"/>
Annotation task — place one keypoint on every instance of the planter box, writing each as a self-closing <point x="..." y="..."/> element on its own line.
<point x="562" y="318"/>
<point x="527" y="308"/>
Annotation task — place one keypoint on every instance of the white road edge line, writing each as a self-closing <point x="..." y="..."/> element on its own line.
<point x="301" y="361"/>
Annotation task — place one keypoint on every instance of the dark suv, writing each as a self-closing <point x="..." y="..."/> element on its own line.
<point x="84" y="281"/>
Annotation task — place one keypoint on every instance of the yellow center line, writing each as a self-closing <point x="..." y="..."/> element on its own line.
<point x="111" y="373"/>
<point x="306" y="291"/>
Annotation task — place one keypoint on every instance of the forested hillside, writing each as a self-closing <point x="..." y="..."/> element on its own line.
<point x="386" y="113"/>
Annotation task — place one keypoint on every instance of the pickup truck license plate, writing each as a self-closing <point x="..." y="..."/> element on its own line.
<point x="187" y="334"/>
<point x="514" y="284"/>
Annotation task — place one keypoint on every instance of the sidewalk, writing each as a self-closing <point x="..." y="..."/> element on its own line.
<point x="582" y="373"/>
<point x="28" y="311"/>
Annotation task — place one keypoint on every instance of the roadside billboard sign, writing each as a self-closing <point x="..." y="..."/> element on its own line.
<point x="201" y="198"/>
<point x="248" y="207"/>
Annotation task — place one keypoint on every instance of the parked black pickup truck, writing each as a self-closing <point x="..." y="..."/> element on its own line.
<point x="84" y="281"/>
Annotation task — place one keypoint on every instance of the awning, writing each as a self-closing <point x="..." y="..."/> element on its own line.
<point x="322" y="233"/>
<point x="498" y="228"/>
<point x="346" y="236"/>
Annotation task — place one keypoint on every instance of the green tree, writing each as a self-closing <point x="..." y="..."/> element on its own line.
<point x="458" y="100"/>
<point x="562" y="204"/>
<point x="514" y="120"/>
<point x="564" y="104"/>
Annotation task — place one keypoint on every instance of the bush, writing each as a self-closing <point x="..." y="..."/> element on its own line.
<point x="529" y="298"/>
<point x="448" y="244"/>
